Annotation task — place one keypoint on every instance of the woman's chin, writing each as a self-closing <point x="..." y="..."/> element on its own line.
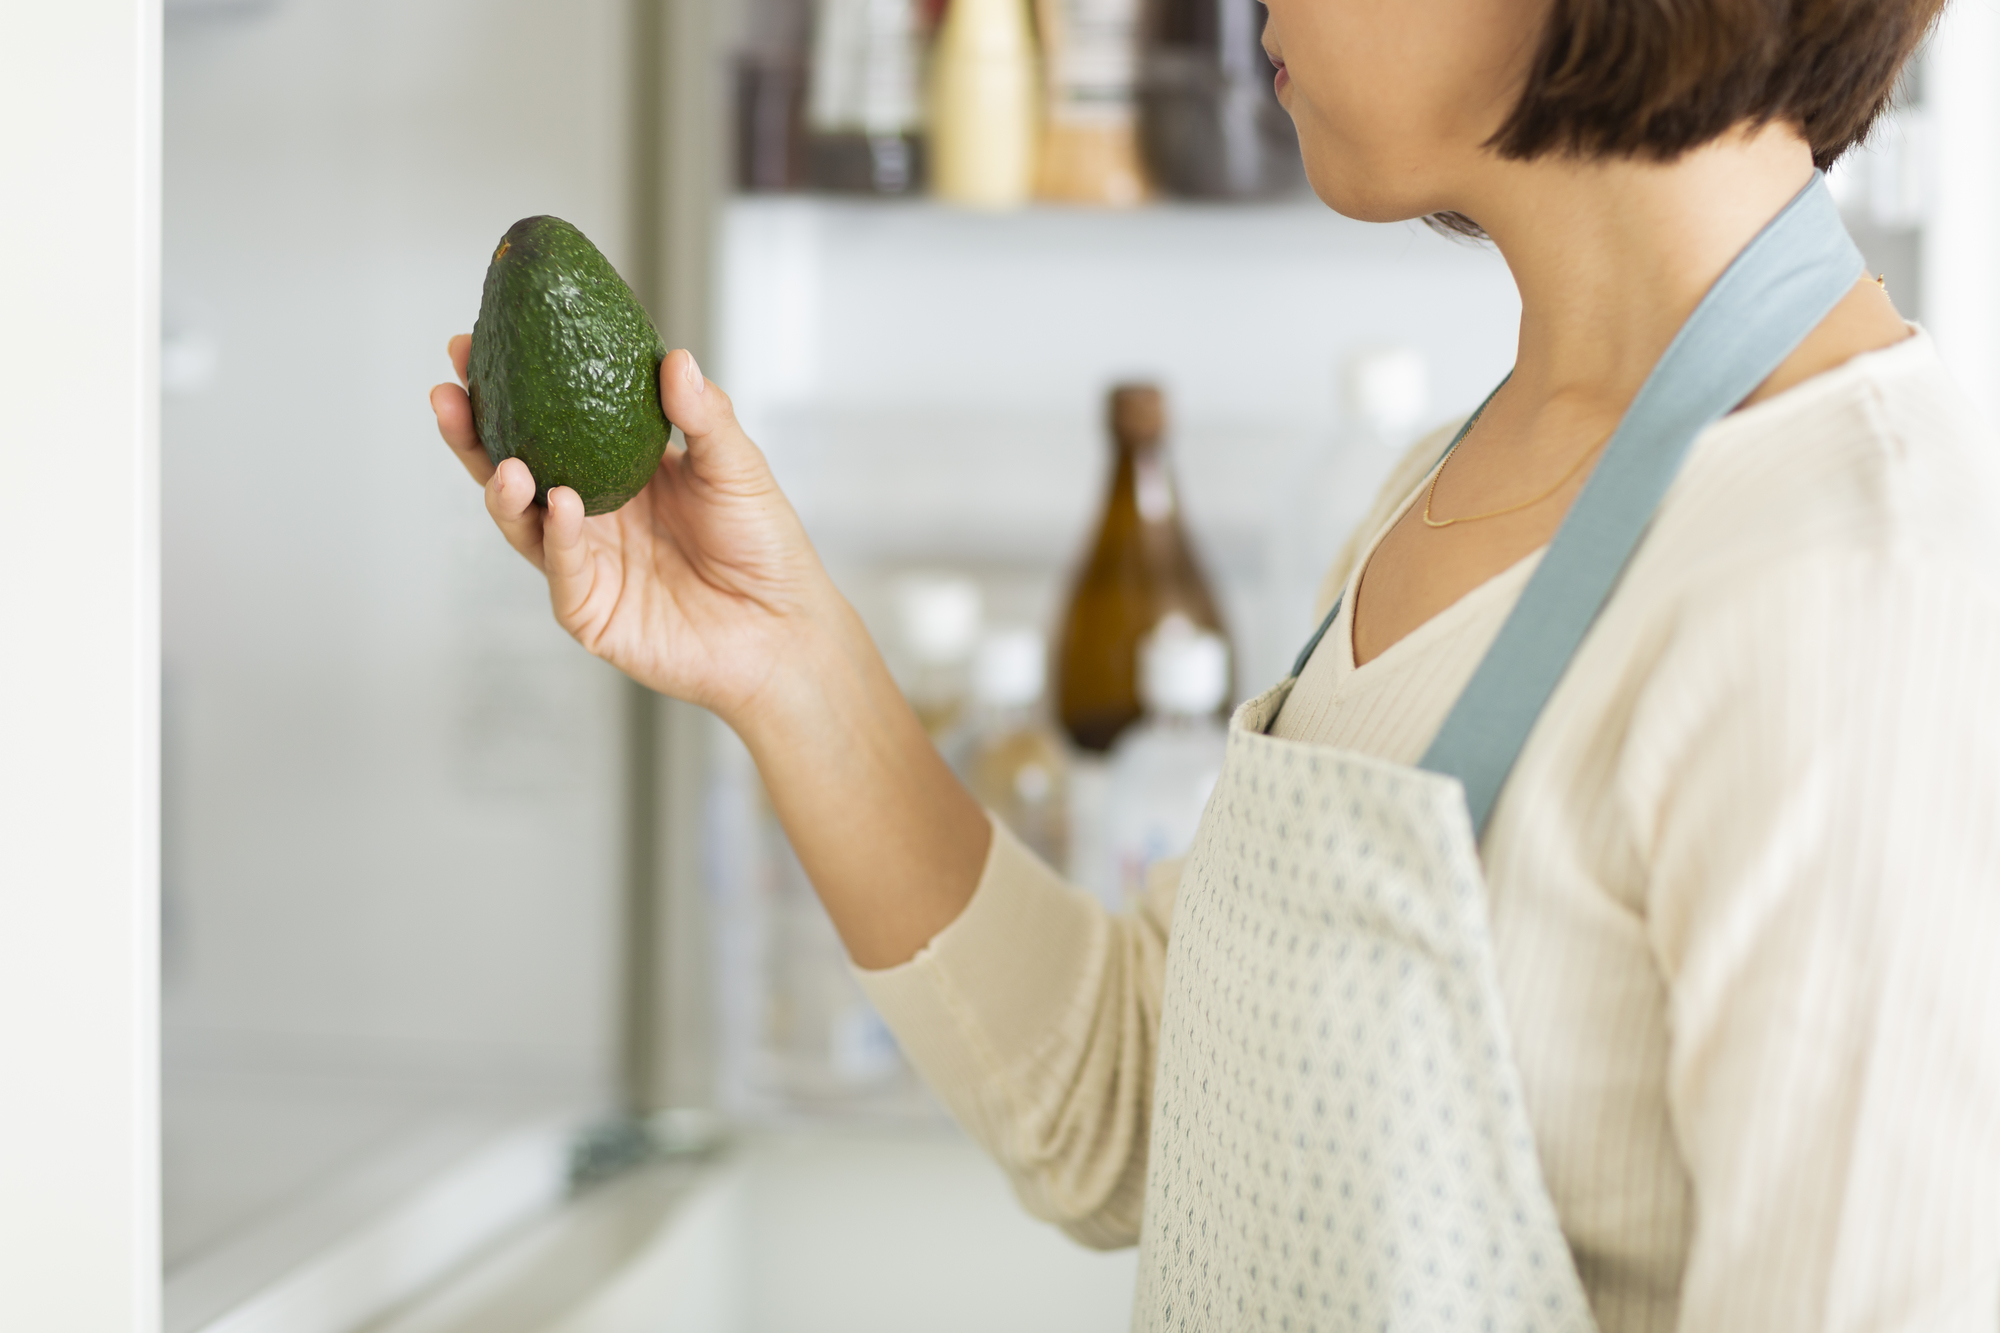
<point x="1349" y="193"/>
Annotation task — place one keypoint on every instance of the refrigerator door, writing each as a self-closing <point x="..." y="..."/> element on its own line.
<point x="394" y="837"/>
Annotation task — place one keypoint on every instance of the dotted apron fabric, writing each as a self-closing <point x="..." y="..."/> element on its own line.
<point x="1339" y="1139"/>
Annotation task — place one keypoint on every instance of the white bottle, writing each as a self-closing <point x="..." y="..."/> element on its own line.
<point x="1164" y="767"/>
<point x="1329" y="486"/>
<point x="1011" y="758"/>
<point x="938" y="617"/>
<point x="796" y="1035"/>
<point x="984" y="112"/>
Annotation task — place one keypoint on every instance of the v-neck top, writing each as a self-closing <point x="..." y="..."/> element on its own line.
<point x="1744" y="885"/>
<point x="1393" y="706"/>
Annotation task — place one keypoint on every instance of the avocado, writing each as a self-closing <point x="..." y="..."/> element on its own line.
<point x="565" y="371"/>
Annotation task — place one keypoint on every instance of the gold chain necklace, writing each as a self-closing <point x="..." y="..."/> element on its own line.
<point x="1430" y="492"/>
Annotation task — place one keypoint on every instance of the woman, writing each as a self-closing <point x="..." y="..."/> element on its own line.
<point x="1700" y="1033"/>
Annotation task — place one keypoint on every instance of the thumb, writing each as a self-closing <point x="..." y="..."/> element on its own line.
<point x="705" y="415"/>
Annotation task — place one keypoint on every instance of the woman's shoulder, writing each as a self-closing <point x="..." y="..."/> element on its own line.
<point x="1882" y="458"/>
<point x="1824" y="573"/>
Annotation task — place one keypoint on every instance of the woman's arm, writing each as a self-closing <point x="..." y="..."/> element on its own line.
<point x="704" y="587"/>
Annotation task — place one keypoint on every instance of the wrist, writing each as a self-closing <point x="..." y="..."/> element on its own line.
<point x="890" y="840"/>
<point x="822" y="666"/>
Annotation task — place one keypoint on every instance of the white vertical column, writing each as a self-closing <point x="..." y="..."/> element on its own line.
<point x="1962" y="237"/>
<point x="79" y="667"/>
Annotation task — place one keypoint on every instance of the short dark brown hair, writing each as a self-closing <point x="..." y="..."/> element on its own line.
<point x="1654" y="78"/>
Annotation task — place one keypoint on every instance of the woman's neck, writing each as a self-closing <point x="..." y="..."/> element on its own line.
<point x="1611" y="256"/>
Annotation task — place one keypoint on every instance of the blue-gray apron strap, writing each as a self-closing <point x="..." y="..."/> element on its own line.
<point x="1765" y="303"/>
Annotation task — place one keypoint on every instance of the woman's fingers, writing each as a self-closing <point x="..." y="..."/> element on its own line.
<point x="510" y="499"/>
<point x="705" y="415"/>
<point x="552" y="537"/>
<point x="454" y="413"/>
<point x="454" y="418"/>
<point x="565" y="558"/>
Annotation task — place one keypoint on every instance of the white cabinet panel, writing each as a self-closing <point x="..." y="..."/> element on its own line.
<point x="79" y="668"/>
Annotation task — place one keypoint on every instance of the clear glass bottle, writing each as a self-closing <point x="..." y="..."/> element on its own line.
<point x="796" y="1034"/>
<point x="1163" y="769"/>
<point x="1011" y="758"/>
<point x="1141" y="569"/>
<point x="864" y="102"/>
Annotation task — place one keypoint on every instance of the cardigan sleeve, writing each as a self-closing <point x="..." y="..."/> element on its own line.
<point x="1034" y="1017"/>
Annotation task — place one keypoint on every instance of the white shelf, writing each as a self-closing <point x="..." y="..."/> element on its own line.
<point x="309" y="1204"/>
<point x="827" y="1232"/>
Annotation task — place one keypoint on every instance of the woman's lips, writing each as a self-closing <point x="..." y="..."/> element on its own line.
<point x="1281" y="78"/>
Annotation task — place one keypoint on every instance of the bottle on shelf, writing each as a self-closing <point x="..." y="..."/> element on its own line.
<point x="984" y="117"/>
<point x="1329" y="484"/>
<point x="1164" y="768"/>
<point x="1011" y="758"/>
<point x="796" y="1036"/>
<point x="864" y="104"/>
<point x="1210" y="119"/>
<point x="938" y="617"/>
<point x="1141" y="568"/>
<point x="1090" y="68"/>
<point x="770" y="97"/>
<point x="824" y="1046"/>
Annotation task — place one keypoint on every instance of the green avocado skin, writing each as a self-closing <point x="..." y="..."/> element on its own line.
<point x="565" y="371"/>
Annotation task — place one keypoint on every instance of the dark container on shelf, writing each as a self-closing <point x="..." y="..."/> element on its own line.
<point x="1210" y="121"/>
<point x="770" y="96"/>
<point x="851" y="162"/>
<point x="770" y="123"/>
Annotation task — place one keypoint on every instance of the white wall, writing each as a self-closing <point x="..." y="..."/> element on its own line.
<point x="392" y="811"/>
<point x="79" y="1232"/>
<point x="1961" y="302"/>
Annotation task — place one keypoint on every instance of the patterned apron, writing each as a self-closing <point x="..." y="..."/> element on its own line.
<point x="1339" y="1138"/>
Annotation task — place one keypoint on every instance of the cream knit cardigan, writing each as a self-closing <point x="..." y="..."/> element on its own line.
<point x="1745" y="889"/>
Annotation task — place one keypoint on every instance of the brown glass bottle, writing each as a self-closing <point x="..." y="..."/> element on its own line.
<point x="1141" y="567"/>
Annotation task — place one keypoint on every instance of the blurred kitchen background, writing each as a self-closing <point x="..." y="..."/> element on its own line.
<point x="494" y="999"/>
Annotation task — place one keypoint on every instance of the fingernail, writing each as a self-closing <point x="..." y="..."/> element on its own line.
<point x="694" y="379"/>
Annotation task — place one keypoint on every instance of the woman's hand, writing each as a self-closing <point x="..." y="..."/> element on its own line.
<point x="701" y="585"/>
